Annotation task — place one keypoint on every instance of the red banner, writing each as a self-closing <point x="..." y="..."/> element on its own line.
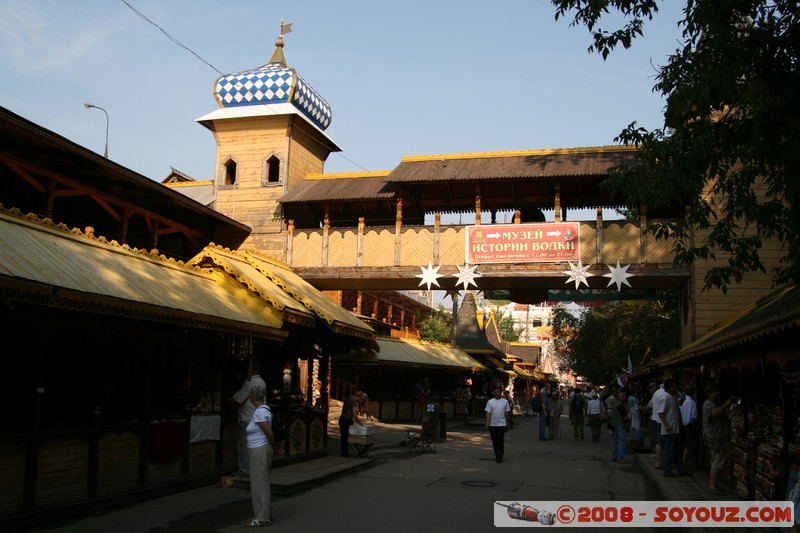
<point x="523" y="243"/>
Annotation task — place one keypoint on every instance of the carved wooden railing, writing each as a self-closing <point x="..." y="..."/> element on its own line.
<point x="600" y="241"/>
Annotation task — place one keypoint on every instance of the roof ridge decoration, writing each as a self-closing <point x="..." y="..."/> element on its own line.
<point x="218" y="262"/>
<point x="286" y="287"/>
<point x="519" y="153"/>
<point x="273" y="83"/>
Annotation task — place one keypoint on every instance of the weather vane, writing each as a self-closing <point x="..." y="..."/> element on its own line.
<point x="285" y="28"/>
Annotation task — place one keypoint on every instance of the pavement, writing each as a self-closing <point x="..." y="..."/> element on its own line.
<point x="311" y="494"/>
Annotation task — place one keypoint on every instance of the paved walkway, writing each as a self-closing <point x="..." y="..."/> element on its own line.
<point x="394" y="490"/>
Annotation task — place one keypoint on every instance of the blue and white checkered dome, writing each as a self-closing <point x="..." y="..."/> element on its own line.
<point x="273" y="83"/>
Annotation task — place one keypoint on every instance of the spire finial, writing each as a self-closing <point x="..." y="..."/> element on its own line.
<point x="278" y="56"/>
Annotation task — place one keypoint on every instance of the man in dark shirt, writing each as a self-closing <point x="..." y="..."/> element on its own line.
<point x="547" y="406"/>
<point x="348" y="418"/>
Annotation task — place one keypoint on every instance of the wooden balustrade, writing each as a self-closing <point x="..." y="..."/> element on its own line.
<point x="361" y="246"/>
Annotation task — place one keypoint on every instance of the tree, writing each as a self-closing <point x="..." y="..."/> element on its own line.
<point x="506" y="326"/>
<point x="597" y="343"/>
<point x="729" y="154"/>
<point x="436" y="326"/>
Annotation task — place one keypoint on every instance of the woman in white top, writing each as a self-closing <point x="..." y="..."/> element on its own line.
<point x="261" y="447"/>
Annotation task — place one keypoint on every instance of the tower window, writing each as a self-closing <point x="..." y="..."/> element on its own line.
<point x="230" y="172"/>
<point x="271" y="171"/>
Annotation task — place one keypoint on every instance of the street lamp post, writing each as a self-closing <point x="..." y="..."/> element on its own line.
<point x="90" y="105"/>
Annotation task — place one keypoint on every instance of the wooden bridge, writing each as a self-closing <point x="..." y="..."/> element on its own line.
<point x="390" y="257"/>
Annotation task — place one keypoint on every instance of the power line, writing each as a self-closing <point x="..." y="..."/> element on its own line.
<point x="176" y="41"/>
<point x="170" y="37"/>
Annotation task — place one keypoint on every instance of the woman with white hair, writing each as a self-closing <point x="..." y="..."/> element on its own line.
<point x="261" y="447"/>
<point x="594" y="409"/>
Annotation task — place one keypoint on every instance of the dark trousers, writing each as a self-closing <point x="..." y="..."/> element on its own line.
<point x="542" y="426"/>
<point x="672" y="456"/>
<point x="498" y="434"/>
<point x="344" y="432"/>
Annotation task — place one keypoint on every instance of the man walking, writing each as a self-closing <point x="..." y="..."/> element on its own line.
<point x="547" y="407"/>
<point x="618" y="417"/>
<point x="577" y="410"/>
<point x="497" y="420"/>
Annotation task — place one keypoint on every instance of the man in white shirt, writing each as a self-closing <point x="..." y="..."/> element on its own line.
<point x="246" y="409"/>
<point x="689" y="432"/>
<point x="497" y="420"/>
<point x="656" y="402"/>
<point x="670" y="416"/>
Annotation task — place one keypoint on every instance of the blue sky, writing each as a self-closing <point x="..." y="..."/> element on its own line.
<point x="402" y="78"/>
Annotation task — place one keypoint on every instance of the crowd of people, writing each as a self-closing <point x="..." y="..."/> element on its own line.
<point x="665" y="415"/>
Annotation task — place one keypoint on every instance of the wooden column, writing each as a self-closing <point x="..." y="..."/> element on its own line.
<point x="477" y="206"/>
<point x="437" y="224"/>
<point x="375" y="309"/>
<point x="326" y="227"/>
<point x="398" y="226"/>
<point x="643" y="235"/>
<point x="599" y="252"/>
<point x="359" y="294"/>
<point x="558" y="203"/>
<point x="290" y="242"/>
<point x="360" y="245"/>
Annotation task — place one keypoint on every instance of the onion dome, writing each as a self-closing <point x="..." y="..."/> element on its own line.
<point x="273" y="83"/>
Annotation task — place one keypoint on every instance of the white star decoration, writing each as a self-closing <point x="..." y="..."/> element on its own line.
<point x="467" y="275"/>
<point x="578" y="273"/>
<point x="429" y="275"/>
<point x="618" y="275"/>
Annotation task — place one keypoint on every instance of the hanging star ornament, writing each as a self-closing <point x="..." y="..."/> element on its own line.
<point x="618" y="275"/>
<point x="430" y="275"/>
<point x="467" y="275"/>
<point x="578" y="273"/>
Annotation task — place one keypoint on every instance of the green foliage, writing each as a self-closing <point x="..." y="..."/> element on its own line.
<point x="436" y="326"/>
<point x="728" y="158"/>
<point x="506" y="326"/>
<point x="596" y="343"/>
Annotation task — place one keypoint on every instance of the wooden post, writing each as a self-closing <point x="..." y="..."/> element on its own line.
<point x="517" y="216"/>
<point x="358" y="302"/>
<point x="437" y="224"/>
<point x="326" y="227"/>
<point x="599" y="251"/>
<point x="477" y="207"/>
<point x="398" y="226"/>
<point x="290" y="242"/>
<point x="360" y="246"/>
<point x="643" y="235"/>
<point x="558" y="203"/>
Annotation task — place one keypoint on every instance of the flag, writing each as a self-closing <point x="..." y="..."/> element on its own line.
<point x="286" y="28"/>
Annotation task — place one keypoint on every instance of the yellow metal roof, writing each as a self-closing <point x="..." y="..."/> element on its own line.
<point x="424" y="353"/>
<point x="235" y="265"/>
<point x="68" y="267"/>
<point x="274" y="281"/>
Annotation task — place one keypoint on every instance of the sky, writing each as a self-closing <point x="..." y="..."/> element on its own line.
<point x="402" y="78"/>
